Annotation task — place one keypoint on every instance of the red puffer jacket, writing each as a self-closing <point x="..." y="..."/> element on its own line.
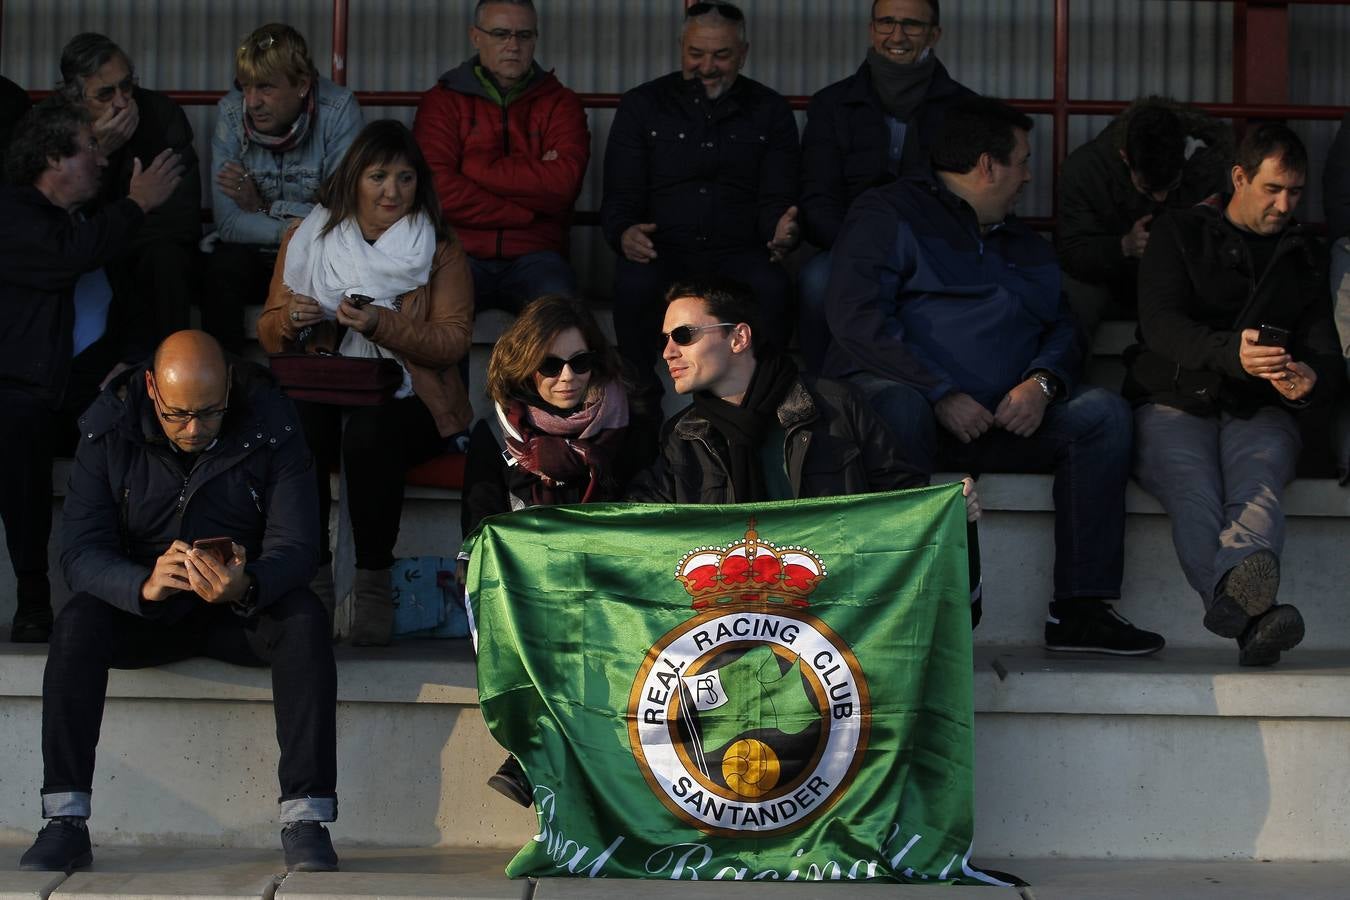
<point x="498" y="193"/>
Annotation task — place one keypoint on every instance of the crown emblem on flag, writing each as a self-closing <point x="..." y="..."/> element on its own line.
<point x="750" y="571"/>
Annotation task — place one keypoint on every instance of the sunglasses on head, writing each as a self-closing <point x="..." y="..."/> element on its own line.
<point x="725" y="10"/>
<point x="684" y="335"/>
<point x="580" y="364"/>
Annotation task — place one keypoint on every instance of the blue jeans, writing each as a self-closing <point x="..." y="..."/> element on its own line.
<point x="1084" y="441"/>
<point x="813" y="322"/>
<point x="1221" y="480"/>
<point x="509" y="284"/>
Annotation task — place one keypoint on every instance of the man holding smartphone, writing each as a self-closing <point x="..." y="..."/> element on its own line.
<point x="1236" y="338"/>
<point x="171" y="458"/>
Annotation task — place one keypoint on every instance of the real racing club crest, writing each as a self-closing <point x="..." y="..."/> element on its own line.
<point x="753" y="716"/>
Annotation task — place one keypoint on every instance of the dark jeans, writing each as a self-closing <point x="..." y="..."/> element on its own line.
<point x="509" y="284"/>
<point x="813" y="320"/>
<point x="377" y="447"/>
<point x="91" y="637"/>
<point x="1084" y="440"/>
<point x="639" y="305"/>
<point x="237" y="275"/>
<point x="35" y="432"/>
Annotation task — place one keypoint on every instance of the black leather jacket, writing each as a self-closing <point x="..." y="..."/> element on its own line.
<point x="1197" y="292"/>
<point x="834" y="445"/>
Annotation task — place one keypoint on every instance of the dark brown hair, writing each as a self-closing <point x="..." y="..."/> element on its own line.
<point x="379" y="143"/>
<point x="523" y="346"/>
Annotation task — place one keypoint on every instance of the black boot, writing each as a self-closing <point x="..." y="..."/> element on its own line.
<point x="512" y="782"/>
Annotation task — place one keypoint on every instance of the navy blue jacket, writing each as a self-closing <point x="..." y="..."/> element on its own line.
<point x="919" y="296"/>
<point x="712" y="176"/>
<point x="129" y="498"/>
<point x="43" y="252"/>
<point x="846" y="146"/>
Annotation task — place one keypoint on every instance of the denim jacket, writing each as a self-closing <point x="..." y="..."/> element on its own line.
<point x="288" y="182"/>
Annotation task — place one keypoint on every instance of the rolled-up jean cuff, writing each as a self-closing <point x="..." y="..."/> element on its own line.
<point x="66" y="803"/>
<point x="308" y="809"/>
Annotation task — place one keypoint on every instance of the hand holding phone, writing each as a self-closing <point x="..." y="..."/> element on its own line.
<point x="359" y="300"/>
<point x="1272" y="336"/>
<point x="222" y="548"/>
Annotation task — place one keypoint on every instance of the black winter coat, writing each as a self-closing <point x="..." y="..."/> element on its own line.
<point x="1099" y="204"/>
<point x="846" y="146"/>
<point x="129" y="497"/>
<point x="835" y="445"/>
<point x="1197" y="292"/>
<point x="14" y="103"/>
<point x="163" y="126"/>
<point x="712" y="176"/>
<point x="43" y="252"/>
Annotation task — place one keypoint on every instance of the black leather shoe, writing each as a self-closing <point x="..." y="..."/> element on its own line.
<point x="1247" y="591"/>
<point x="512" y="782"/>
<point x="308" y="848"/>
<point x="1280" y="628"/>
<point x="61" y="845"/>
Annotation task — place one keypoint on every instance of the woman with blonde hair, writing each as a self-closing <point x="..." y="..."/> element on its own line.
<point x="373" y="272"/>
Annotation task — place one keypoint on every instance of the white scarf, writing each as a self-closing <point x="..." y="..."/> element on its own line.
<point x="342" y="263"/>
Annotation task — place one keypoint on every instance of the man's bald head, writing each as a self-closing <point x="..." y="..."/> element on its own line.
<point x="189" y="384"/>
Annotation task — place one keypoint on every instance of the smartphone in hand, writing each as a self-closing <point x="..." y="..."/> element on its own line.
<point x="359" y="300"/>
<point x="1273" y="336"/>
<point x="221" y="547"/>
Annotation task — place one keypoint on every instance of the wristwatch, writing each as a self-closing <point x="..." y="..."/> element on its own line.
<point x="246" y="604"/>
<point x="1049" y="386"/>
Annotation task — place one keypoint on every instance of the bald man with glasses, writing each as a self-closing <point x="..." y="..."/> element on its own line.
<point x="189" y="529"/>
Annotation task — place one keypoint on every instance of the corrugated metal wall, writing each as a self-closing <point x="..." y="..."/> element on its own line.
<point x="1120" y="48"/>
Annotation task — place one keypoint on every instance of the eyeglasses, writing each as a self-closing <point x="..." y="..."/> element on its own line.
<point x="911" y="27"/>
<point x="684" y="335"/>
<point x="184" y="416"/>
<point x="580" y="364"/>
<point x="106" y="93"/>
<point x="725" y="10"/>
<point x="502" y="35"/>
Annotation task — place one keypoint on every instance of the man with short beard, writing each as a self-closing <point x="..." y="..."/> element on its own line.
<point x="701" y="173"/>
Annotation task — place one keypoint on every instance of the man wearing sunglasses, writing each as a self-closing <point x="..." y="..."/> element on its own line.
<point x="509" y="147"/>
<point x="869" y="129"/>
<point x="946" y="310"/>
<point x="1158" y="155"/>
<point x="186" y="449"/>
<point x="160" y="271"/>
<point x="701" y="173"/>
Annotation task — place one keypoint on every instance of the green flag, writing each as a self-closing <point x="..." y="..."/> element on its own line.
<point x="774" y="691"/>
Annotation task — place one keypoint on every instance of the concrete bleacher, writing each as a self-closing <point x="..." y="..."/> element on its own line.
<point x="1180" y="756"/>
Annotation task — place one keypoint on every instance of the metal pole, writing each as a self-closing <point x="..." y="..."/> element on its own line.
<point x="1061" y="97"/>
<point x="339" y="41"/>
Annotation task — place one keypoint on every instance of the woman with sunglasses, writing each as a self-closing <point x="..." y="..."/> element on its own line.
<point x="570" y="427"/>
<point x="372" y="272"/>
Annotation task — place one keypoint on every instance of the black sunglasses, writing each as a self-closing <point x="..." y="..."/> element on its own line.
<point x="684" y="335"/>
<point x="580" y="364"/>
<point x="725" y="10"/>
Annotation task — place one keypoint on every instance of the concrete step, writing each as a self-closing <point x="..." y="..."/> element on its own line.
<point x="168" y="872"/>
<point x="1177" y="756"/>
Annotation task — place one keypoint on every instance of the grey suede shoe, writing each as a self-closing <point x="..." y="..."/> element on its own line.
<point x="372" y="608"/>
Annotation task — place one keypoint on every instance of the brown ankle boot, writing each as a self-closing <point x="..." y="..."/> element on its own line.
<point x="372" y="608"/>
